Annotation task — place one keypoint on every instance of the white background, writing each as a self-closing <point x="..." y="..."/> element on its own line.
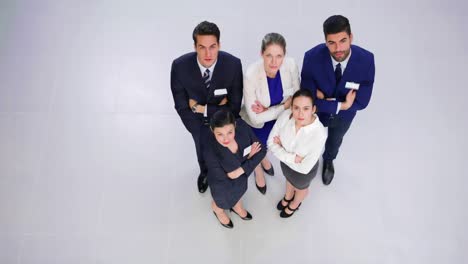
<point x="96" y="167"/>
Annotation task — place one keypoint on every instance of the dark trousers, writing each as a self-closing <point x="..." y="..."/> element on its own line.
<point x="337" y="128"/>
<point x="199" y="137"/>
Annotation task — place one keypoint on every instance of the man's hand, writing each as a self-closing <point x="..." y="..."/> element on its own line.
<point x="191" y="102"/>
<point x="224" y="101"/>
<point x="200" y="108"/>
<point x="320" y="94"/>
<point x="350" y="97"/>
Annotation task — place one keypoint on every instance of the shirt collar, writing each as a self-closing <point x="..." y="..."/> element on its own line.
<point x="307" y="128"/>
<point x="343" y="63"/>
<point x="203" y="69"/>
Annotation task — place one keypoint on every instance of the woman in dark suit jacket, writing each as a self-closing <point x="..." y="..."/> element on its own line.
<point x="232" y="152"/>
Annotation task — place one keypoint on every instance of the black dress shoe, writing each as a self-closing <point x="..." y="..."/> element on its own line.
<point x="280" y="205"/>
<point x="327" y="172"/>
<point x="283" y="213"/>
<point x="270" y="171"/>
<point x="228" y="225"/>
<point x="202" y="183"/>
<point x="247" y="217"/>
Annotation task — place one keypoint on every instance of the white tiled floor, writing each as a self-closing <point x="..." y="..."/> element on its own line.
<point x="96" y="167"/>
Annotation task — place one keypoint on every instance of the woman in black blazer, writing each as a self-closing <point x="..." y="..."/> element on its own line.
<point x="232" y="152"/>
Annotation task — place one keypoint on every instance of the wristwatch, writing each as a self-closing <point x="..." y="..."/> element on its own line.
<point x="194" y="107"/>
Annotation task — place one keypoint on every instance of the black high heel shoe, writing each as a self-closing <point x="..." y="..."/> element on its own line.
<point x="280" y="205"/>
<point x="247" y="217"/>
<point x="228" y="225"/>
<point x="270" y="171"/>
<point x="263" y="189"/>
<point x="283" y="213"/>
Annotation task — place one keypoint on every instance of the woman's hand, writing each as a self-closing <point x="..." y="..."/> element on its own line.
<point x="258" y="108"/>
<point x="277" y="140"/>
<point x="256" y="147"/>
<point x="236" y="173"/>
<point x="287" y="103"/>
<point x="298" y="159"/>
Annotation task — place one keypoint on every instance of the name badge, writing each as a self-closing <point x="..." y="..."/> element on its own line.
<point x="247" y="150"/>
<point x="222" y="91"/>
<point x="352" y="85"/>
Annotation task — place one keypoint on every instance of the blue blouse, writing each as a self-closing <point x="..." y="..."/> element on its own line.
<point x="275" y="88"/>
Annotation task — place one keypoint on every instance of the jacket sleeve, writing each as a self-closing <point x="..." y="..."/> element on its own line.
<point x="308" y="81"/>
<point x="364" y="93"/>
<point x="215" y="169"/>
<point x="191" y="122"/>
<point x="277" y="150"/>
<point x="272" y="113"/>
<point x="250" y="164"/>
<point x="310" y="151"/>
<point x="234" y="96"/>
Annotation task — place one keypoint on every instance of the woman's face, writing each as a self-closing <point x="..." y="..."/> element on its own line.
<point x="225" y="135"/>
<point x="302" y="110"/>
<point x="272" y="59"/>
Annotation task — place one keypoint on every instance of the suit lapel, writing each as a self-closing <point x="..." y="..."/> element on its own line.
<point x="216" y="77"/>
<point x="330" y="72"/>
<point x="197" y="78"/>
<point x="264" y="91"/>
<point x="349" y="71"/>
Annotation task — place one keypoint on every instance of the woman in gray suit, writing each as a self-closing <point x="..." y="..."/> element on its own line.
<point x="269" y="84"/>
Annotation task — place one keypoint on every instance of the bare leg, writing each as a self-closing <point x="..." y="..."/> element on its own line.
<point x="266" y="163"/>
<point x="259" y="176"/>
<point x="298" y="198"/>
<point x="222" y="216"/>
<point x="239" y="209"/>
<point x="289" y="193"/>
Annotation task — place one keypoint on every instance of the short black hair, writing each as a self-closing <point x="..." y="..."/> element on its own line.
<point x="336" y="24"/>
<point x="206" y="28"/>
<point x="222" y="118"/>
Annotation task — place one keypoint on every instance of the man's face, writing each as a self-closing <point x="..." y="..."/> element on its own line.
<point x="339" y="45"/>
<point x="207" y="48"/>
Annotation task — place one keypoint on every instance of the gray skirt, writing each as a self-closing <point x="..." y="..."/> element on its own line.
<point x="297" y="179"/>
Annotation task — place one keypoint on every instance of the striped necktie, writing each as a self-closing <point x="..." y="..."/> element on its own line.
<point x="206" y="78"/>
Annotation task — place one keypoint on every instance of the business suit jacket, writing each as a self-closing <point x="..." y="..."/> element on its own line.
<point x="220" y="160"/>
<point x="256" y="88"/>
<point x="318" y="73"/>
<point x="187" y="83"/>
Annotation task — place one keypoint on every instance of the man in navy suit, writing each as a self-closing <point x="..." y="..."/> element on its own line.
<point x="203" y="82"/>
<point x="341" y="76"/>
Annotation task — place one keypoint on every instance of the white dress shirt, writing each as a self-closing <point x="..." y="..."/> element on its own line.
<point x="343" y="68"/>
<point x="308" y="142"/>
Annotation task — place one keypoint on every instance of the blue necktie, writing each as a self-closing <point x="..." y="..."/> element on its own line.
<point x="338" y="73"/>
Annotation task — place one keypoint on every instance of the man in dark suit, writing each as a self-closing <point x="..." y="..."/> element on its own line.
<point x="341" y="76"/>
<point x="203" y="82"/>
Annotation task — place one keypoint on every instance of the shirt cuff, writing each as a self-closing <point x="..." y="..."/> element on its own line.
<point x="206" y="111"/>
<point x="338" y="107"/>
